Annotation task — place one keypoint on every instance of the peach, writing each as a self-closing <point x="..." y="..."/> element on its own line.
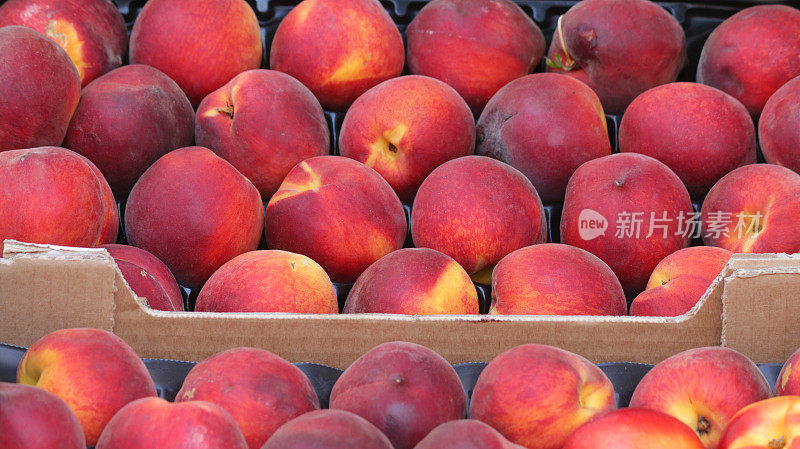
<point x="194" y="211"/>
<point x="127" y="119"/>
<point x="145" y="273"/>
<point x="264" y="123"/>
<point x="701" y="133"/>
<point x="41" y="189"/>
<point x="32" y="418"/>
<point x="93" y="371"/>
<point x="634" y="428"/>
<point x="338" y="212"/>
<point x="753" y="209"/>
<point x="269" y="281"/>
<point x="413" y="281"/>
<point x="769" y="424"/>
<point x="40" y="89"/>
<point x="405" y="127"/>
<point x="260" y="390"/>
<point x="156" y="423"/>
<point x="545" y="126"/>
<point x="201" y="44"/>
<point x="629" y="210"/>
<point x="338" y="48"/>
<point x="788" y="382"/>
<point x="752" y="54"/>
<point x="465" y="434"/>
<point x="537" y="395"/>
<point x="329" y="429"/>
<point x="620" y="48"/>
<point x="779" y="127"/>
<point x="92" y="32"/>
<point x="680" y="280"/>
<point x="404" y="389"/>
<point x="703" y="388"/>
<point x="477" y="210"/>
<point x="555" y="279"/>
<point x="454" y="40"/>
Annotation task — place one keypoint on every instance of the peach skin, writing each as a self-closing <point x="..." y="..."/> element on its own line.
<point x="141" y="268"/>
<point x="769" y="424"/>
<point x="779" y="127"/>
<point x="788" y="383"/>
<point x="32" y="418"/>
<point x="465" y="434"/>
<point x="329" y="429"/>
<point x="634" y="428"/>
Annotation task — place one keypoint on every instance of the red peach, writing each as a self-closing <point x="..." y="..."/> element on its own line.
<point x="788" y="382"/>
<point x="779" y="127"/>
<point x="32" y="418"/>
<point x="634" y="428"/>
<point x="465" y="434"/>
<point x="145" y="271"/>
<point x="769" y="424"/>
<point x="329" y="429"/>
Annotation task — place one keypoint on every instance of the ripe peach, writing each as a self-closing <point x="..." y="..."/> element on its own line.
<point x="454" y="40"/>
<point x="92" y="32"/>
<point x="629" y="210"/>
<point x="680" y="280"/>
<point x="465" y="434"/>
<point x="536" y="395"/>
<point x="338" y="48"/>
<point x="753" y="209"/>
<point x="620" y="48"/>
<point x="477" y="210"/>
<point x="413" y="281"/>
<point x="404" y="389"/>
<point x="329" y="429"/>
<point x="41" y="189"/>
<point x="701" y="133"/>
<point x="555" y="279"/>
<point x="40" y="89"/>
<point x="201" y="44"/>
<point x="194" y="211"/>
<point x="737" y="56"/>
<point x="93" y="371"/>
<point x="147" y="276"/>
<point x="269" y="281"/>
<point x="779" y="127"/>
<point x="127" y="119"/>
<point x="788" y="382"/>
<point x="405" y="127"/>
<point x="545" y="126"/>
<point x="156" y="423"/>
<point x="703" y="388"/>
<point x="634" y="428"/>
<point x="338" y="212"/>
<point x="260" y="390"/>
<point x="32" y="418"/>
<point x="769" y="424"/>
<point x="264" y="123"/>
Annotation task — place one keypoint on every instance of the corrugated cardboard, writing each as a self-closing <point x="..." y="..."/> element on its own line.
<point x="752" y="306"/>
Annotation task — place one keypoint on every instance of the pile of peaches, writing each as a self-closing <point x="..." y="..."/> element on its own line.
<point x="79" y="387"/>
<point x="419" y="201"/>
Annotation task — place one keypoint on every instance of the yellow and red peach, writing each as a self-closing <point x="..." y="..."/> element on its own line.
<point x="329" y="429"/>
<point x="201" y="44"/>
<point x="413" y="281"/>
<point x="127" y="119"/>
<point x="788" y="382"/>
<point x="93" y="371"/>
<point x="779" y="127"/>
<point x="40" y="89"/>
<point x="629" y="210"/>
<point x="194" y="211"/>
<point x="476" y="46"/>
<point x="700" y="132"/>
<point x="769" y="424"/>
<point x="465" y="434"/>
<point x="545" y="126"/>
<point x="406" y="127"/>
<point x="620" y="48"/>
<point x="680" y="280"/>
<point x="32" y="418"/>
<point x="337" y="211"/>
<point x="555" y="279"/>
<point x="147" y="276"/>
<point x="537" y="396"/>
<point x="338" y="48"/>
<point x="738" y="56"/>
<point x="269" y="281"/>
<point x="264" y="123"/>
<point x="753" y="209"/>
<point x="477" y="210"/>
<point x="634" y="428"/>
<point x="260" y="390"/>
<point x="404" y="389"/>
<point x="703" y="388"/>
<point x="92" y="32"/>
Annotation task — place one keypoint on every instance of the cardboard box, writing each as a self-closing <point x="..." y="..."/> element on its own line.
<point x="753" y="306"/>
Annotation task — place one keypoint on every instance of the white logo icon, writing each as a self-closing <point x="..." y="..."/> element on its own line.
<point x="591" y="224"/>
